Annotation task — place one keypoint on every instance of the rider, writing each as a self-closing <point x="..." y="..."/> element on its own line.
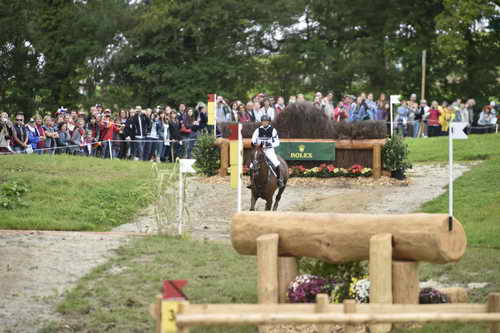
<point x="268" y="137"/>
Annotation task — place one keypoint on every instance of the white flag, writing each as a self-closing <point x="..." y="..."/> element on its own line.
<point x="187" y="165"/>
<point x="457" y="130"/>
<point x="395" y="99"/>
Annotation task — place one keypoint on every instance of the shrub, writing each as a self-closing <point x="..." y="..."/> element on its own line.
<point x="342" y="274"/>
<point x="432" y="296"/>
<point x="11" y="195"/>
<point x="206" y="154"/>
<point x="395" y="156"/>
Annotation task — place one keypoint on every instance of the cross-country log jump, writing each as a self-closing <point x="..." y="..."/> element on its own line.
<point x="339" y="238"/>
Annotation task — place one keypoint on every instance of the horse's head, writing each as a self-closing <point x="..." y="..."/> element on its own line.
<point x="258" y="157"/>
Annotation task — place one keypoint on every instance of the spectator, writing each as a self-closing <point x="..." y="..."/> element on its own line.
<point x="267" y="109"/>
<point x="358" y="111"/>
<point x="78" y="138"/>
<point x="371" y="107"/>
<point x="434" y="127"/>
<point x="51" y="135"/>
<point x="33" y="136"/>
<point x="447" y="115"/>
<point x="63" y="138"/>
<point x="487" y="117"/>
<point x="280" y="105"/>
<point x="256" y="111"/>
<point x="5" y="133"/>
<point x="41" y="135"/>
<point x="383" y="108"/>
<point x="243" y="115"/>
<point x="402" y="118"/>
<point x="292" y="99"/>
<point x="233" y="114"/>
<point x="150" y="145"/>
<point x="20" y="135"/>
<point x="251" y="112"/>
<point x="418" y="125"/>
<point x="107" y="129"/>
<point x="140" y="124"/>
<point x="175" y="130"/>
<point x="121" y="123"/>
<point x="129" y="132"/>
<point x="340" y="113"/>
<point x="221" y="111"/>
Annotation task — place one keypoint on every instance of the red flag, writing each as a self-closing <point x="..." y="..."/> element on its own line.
<point x="173" y="289"/>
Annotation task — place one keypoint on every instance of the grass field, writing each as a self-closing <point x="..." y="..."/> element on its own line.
<point x="115" y="296"/>
<point x="74" y="193"/>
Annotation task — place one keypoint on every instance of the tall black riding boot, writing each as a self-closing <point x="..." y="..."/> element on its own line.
<point x="279" y="177"/>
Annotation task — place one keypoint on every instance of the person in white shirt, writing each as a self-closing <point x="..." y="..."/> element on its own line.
<point x="267" y="109"/>
<point x="268" y="137"/>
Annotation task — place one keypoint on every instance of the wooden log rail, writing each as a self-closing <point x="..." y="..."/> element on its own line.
<point x="373" y="144"/>
<point x="340" y="238"/>
<point x="349" y="313"/>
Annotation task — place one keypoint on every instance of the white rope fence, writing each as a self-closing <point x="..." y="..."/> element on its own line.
<point x="88" y="146"/>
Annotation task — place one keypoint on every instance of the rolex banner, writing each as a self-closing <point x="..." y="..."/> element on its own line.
<point x="307" y="151"/>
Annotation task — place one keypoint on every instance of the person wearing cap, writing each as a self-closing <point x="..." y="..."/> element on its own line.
<point x="267" y="136"/>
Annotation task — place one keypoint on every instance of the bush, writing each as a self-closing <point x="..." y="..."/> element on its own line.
<point x="395" y="156"/>
<point x="206" y="154"/>
<point x="342" y="274"/>
<point x="11" y="195"/>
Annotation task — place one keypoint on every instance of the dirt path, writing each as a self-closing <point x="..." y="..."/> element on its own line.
<point x="213" y="202"/>
<point x="37" y="267"/>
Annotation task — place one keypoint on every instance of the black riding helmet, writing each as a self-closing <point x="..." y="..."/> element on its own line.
<point x="265" y="117"/>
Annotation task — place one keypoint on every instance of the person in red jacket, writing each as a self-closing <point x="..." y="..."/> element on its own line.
<point x="106" y="129"/>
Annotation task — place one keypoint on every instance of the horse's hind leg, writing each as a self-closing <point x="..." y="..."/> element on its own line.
<point x="253" y="201"/>
<point x="278" y="198"/>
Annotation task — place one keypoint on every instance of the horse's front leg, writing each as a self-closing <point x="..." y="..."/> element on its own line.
<point x="253" y="201"/>
<point x="278" y="198"/>
<point x="269" y="203"/>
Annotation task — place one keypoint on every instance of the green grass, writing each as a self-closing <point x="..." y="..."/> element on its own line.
<point x="476" y="193"/>
<point x="75" y="193"/>
<point x="115" y="297"/>
<point x="476" y="147"/>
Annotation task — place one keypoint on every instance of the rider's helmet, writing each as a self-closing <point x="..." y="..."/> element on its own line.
<point x="265" y="118"/>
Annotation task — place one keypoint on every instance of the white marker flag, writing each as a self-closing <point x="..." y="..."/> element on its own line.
<point x="457" y="130"/>
<point x="186" y="165"/>
<point x="395" y="99"/>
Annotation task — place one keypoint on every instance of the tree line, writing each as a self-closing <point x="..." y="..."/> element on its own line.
<point x="151" y="52"/>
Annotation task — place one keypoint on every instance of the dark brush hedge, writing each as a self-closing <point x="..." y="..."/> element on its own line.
<point x="304" y="121"/>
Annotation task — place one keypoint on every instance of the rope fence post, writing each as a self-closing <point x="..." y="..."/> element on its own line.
<point x="321" y="306"/>
<point x="494" y="307"/>
<point x="110" y="147"/>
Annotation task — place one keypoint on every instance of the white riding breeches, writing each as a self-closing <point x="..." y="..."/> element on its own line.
<point x="271" y="155"/>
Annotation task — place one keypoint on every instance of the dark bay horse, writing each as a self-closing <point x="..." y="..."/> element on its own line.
<point x="264" y="180"/>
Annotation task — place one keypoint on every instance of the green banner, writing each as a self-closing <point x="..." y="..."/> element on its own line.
<point x="307" y="151"/>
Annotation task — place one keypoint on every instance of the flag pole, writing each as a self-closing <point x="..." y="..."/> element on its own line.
<point x="450" y="172"/>
<point x="240" y="163"/>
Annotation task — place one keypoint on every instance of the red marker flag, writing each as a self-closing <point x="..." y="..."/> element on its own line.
<point x="172" y="289"/>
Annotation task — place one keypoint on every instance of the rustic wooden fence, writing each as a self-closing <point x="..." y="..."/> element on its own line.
<point x="185" y="315"/>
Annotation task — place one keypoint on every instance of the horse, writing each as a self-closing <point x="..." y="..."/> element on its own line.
<point x="264" y="180"/>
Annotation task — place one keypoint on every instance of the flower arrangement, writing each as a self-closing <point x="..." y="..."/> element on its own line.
<point x="360" y="290"/>
<point x="432" y="296"/>
<point x="329" y="170"/>
<point x="304" y="288"/>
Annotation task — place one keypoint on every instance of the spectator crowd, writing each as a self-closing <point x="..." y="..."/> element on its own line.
<point x="163" y="133"/>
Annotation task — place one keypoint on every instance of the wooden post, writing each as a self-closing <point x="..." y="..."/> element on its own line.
<point x="183" y="306"/>
<point x="377" y="161"/>
<point x="424" y="60"/>
<point x="349" y="307"/>
<point x="405" y="284"/>
<point x="321" y="306"/>
<point x="494" y="306"/>
<point x="267" y="266"/>
<point x="287" y="271"/>
<point x="380" y="270"/>
<point x="158" y="314"/>
<point x="223" y="145"/>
